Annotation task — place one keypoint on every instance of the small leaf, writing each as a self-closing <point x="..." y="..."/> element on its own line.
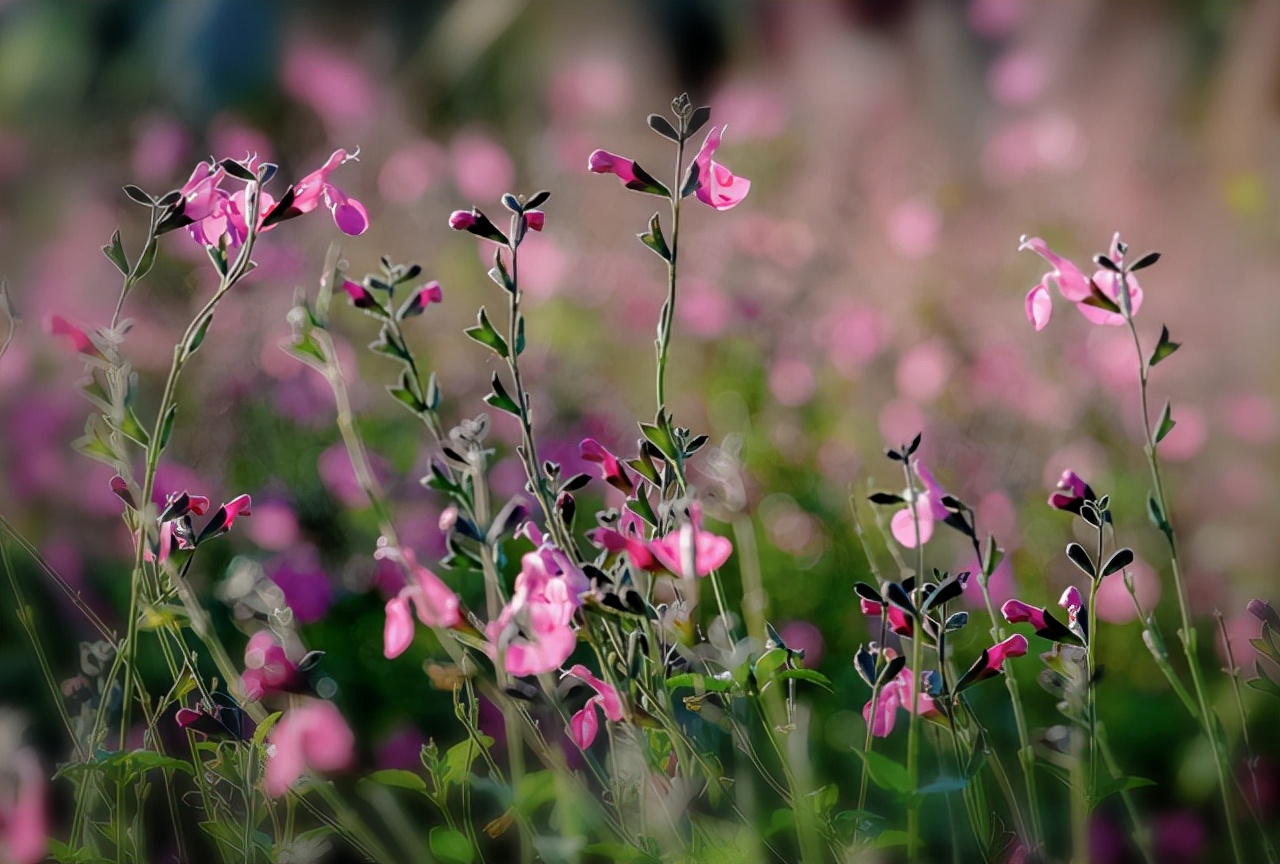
<point x="537" y="199"/>
<point x="660" y="439"/>
<point x="992" y="555"/>
<point x="487" y="335"/>
<point x="1119" y="560"/>
<point x="1081" y="559"/>
<point x="114" y="250"/>
<point x="810" y="675"/>
<point x="398" y="778"/>
<point x="498" y="273"/>
<point x="654" y="240"/>
<point x="500" y="399"/>
<point x="698" y="119"/>
<point x="701" y="682"/>
<point x="645" y="182"/>
<point x="1119" y="784"/>
<point x="1099" y="300"/>
<point x="509" y="201"/>
<point x="519" y="335"/>
<point x="450" y="845"/>
<point x="1164" y="347"/>
<point x="1165" y="425"/>
<point x="433" y="393"/>
<point x="887" y="774"/>
<point x="1145" y="261"/>
<point x="198" y="337"/>
<point x="265" y="727"/>
<point x="238" y="171"/>
<point x="146" y="260"/>
<point x="885" y="498"/>
<point x="663" y="127"/>
<point x="166" y="428"/>
<point x="1158" y="518"/>
<point x="692" y="180"/>
<point x="1106" y="263"/>
<point x="137" y="195"/>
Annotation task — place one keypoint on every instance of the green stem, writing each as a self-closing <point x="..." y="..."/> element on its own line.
<point x="1187" y="634"/>
<point x="913" y="727"/>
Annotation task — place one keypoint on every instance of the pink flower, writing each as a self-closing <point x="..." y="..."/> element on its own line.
<point x="584" y="725"/>
<point x="534" y="632"/>
<point x="241" y="505"/>
<point x="1017" y="612"/>
<point x="882" y="711"/>
<point x="691" y="545"/>
<point x="717" y="185"/>
<point x="434" y="603"/>
<point x="627" y="537"/>
<point x="23" y="822"/>
<point x="311" y="736"/>
<point x="898" y="621"/>
<point x="1073" y="603"/>
<point x="927" y="506"/>
<point x="1075" y="287"/>
<point x="461" y="220"/>
<point x="348" y="213"/>
<point x="361" y="297"/>
<point x="56" y="325"/>
<point x="421" y="299"/>
<point x="613" y="471"/>
<point x="1071" y="493"/>
<point x="535" y="219"/>
<point x="604" y="162"/>
<point x="267" y="668"/>
<point x="1014" y="646"/>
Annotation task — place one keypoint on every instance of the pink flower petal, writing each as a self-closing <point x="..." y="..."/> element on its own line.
<point x="584" y="725"/>
<point x="397" y="635"/>
<point x="903" y="525"/>
<point x="1039" y="306"/>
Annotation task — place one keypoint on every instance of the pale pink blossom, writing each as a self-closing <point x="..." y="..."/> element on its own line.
<point x="913" y="530"/>
<point x="718" y="187"/>
<point x="267" y="667"/>
<point x="1076" y="287"/>
<point x="584" y="724"/>
<point x="433" y="602"/>
<point x="689" y="544"/>
<point x="881" y="712"/>
<point x="313" y="736"/>
<point x="534" y="633"/>
<point x="23" y="820"/>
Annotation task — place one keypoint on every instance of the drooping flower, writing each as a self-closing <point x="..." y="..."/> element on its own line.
<point x="312" y="736"/>
<point x="536" y="219"/>
<point x="612" y="469"/>
<point x="927" y="506"/>
<point x="584" y="725"/>
<point x="627" y="537"/>
<point x="433" y="602"/>
<point x="1073" y="602"/>
<point x="221" y="718"/>
<point x="689" y="551"/>
<point x="309" y="192"/>
<point x="1014" y="646"/>
<point x="1017" y="612"/>
<point x="56" y="325"/>
<point x="1077" y="288"/>
<point x="421" y="299"/>
<point x="881" y="711"/>
<point x="23" y="820"/>
<point x="718" y="187"/>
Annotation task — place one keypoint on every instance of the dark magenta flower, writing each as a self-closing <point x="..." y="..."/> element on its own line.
<point x="881" y="711"/>
<point x="604" y="162"/>
<point x="1017" y="612"/>
<point x="898" y="621"/>
<point x="1071" y="493"/>
<point x="535" y="219"/>
<point x="612" y="469"/>
<point x="461" y="220"/>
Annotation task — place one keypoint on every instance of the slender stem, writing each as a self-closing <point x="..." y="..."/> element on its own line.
<point x="669" y="307"/>
<point x="1141" y="834"/>
<point x="1187" y="634"/>
<point x="913" y="727"/>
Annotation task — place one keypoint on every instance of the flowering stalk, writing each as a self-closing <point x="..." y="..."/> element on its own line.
<point x="913" y="727"/>
<point x="1159" y="509"/>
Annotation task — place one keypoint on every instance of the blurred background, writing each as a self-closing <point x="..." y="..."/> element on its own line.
<point x="869" y="288"/>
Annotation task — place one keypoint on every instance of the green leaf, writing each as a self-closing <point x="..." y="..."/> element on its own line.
<point x="305" y="349"/>
<point x="654" y="240"/>
<point x="1099" y="300"/>
<point x="131" y="427"/>
<point x="404" y="393"/>
<point x="433" y="393"/>
<point x="197" y="338"/>
<point x="701" y="682"/>
<point x="1081" y="559"/>
<point x="1158" y="518"/>
<point x="487" y="335"/>
<point x="663" y="127"/>
<point x="890" y="838"/>
<point x="166" y="427"/>
<point x="264" y="728"/>
<point x="644" y="182"/>
<point x="500" y="399"/>
<point x="1166" y="424"/>
<point x="398" y="778"/>
<point x="1264" y="685"/>
<point x="64" y="854"/>
<point x="519" y="335"/>
<point x="459" y="758"/>
<point x="1119" y="560"/>
<point x="826" y="798"/>
<point x="810" y="675"/>
<point x="499" y="273"/>
<point x="660" y="439"/>
<point x="1164" y="347"/>
<point x="114" y="250"/>
<point x="943" y="785"/>
<point x="885" y="773"/>
<point x="146" y="260"/>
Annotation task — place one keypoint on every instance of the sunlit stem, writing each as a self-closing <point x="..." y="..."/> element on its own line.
<point x="1187" y="634"/>
<point x="913" y="723"/>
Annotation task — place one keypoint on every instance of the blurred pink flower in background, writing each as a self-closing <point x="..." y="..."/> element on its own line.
<point x="267" y="667"/>
<point x="1000" y="585"/>
<point x="23" y="821"/>
<point x="160" y="150"/>
<point x="1018" y="76"/>
<point x="913" y="228"/>
<point x="401" y="749"/>
<point x="232" y="136"/>
<point x="410" y="171"/>
<point x="311" y="736"/>
<point x="900" y="419"/>
<point x="274" y="526"/>
<point x="1252" y="417"/>
<point x="791" y="381"/>
<point x="305" y="584"/>
<point x="331" y="84"/>
<point x="590" y="85"/>
<point x="755" y="109"/>
<point x="924" y="371"/>
<point x="1050" y="142"/>
<point x="482" y="169"/>
<point x="1188" y="437"/>
<point x="994" y="19"/>
<point x="704" y="310"/>
<point x="804" y="636"/>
